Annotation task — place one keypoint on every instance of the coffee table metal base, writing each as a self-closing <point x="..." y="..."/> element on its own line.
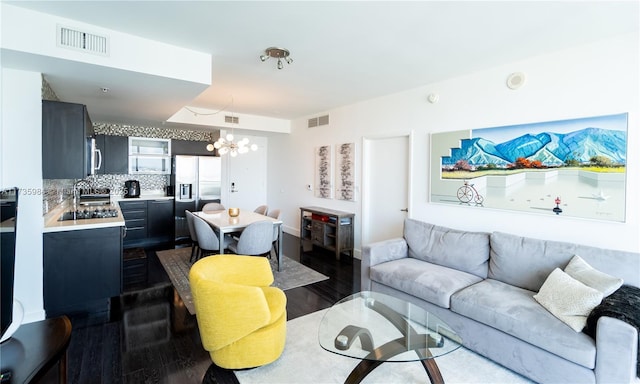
<point x="420" y="343"/>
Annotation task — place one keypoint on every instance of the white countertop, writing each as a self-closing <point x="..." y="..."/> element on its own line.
<point x="143" y="196"/>
<point x="51" y="223"/>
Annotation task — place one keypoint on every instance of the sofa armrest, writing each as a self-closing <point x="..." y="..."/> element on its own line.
<point x="616" y="351"/>
<point x="380" y="252"/>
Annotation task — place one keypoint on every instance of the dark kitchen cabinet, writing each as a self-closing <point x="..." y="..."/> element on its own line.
<point x="115" y="154"/>
<point x="160" y="219"/>
<point x="135" y="222"/>
<point x="147" y="222"/>
<point x="66" y="134"/>
<point x="82" y="270"/>
<point x="191" y="147"/>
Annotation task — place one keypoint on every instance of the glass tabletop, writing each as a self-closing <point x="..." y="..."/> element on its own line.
<point x="379" y="327"/>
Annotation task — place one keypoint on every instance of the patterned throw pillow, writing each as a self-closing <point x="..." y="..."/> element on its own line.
<point x="568" y="299"/>
<point x="587" y="275"/>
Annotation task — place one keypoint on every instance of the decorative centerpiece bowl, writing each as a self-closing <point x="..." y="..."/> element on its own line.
<point x="234" y="212"/>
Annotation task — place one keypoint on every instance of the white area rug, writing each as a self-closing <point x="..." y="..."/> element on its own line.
<point x="304" y="361"/>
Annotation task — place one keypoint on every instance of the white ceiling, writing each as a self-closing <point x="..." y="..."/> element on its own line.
<point x="343" y="52"/>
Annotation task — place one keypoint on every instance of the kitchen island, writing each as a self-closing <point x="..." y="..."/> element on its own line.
<point x="82" y="259"/>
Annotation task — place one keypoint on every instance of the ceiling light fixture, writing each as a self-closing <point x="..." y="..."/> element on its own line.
<point x="277" y="53"/>
<point x="227" y="145"/>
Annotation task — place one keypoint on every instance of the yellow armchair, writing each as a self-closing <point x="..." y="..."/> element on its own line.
<point x="242" y="320"/>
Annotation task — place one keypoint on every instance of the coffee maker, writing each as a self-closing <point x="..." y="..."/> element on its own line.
<point x="131" y="188"/>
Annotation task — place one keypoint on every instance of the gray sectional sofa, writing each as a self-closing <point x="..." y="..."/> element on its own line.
<point x="483" y="286"/>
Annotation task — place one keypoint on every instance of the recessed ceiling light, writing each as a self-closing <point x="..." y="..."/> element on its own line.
<point x="105" y="89"/>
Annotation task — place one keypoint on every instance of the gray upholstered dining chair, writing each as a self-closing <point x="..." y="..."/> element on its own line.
<point x="208" y="241"/>
<point x="262" y="209"/>
<point x="208" y="207"/>
<point x="195" y="249"/>
<point x="255" y="239"/>
<point x="275" y="214"/>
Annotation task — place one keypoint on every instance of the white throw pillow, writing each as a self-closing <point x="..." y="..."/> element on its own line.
<point x="568" y="299"/>
<point x="587" y="275"/>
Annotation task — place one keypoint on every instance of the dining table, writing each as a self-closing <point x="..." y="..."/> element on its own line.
<point x="222" y="223"/>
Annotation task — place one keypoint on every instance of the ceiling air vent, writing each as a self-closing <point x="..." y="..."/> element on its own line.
<point x="83" y="41"/>
<point x="318" y="121"/>
<point x="232" y="119"/>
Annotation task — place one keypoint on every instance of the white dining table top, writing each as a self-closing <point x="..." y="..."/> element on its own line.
<point x="225" y="223"/>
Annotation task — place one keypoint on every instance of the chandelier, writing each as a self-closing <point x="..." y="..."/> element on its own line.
<point x="277" y="53"/>
<point x="226" y="145"/>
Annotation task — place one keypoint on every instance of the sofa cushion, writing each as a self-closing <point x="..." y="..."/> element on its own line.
<point x="591" y="277"/>
<point x="514" y="311"/>
<point x="526" y="262"/>
<point x="568" y="299"/>
<point x="427" y="281"/>
<point x="462" y="250"/>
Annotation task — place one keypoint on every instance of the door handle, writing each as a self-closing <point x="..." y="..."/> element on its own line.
<point x="404" y="210"/>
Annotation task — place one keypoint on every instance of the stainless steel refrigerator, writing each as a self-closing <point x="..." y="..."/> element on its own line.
<point x="196" y="180"/>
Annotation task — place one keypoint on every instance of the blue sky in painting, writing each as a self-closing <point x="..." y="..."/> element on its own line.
<point x="501" y="134"/>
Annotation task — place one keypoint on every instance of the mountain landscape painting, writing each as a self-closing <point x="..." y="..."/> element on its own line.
<point x="571" y="167"/>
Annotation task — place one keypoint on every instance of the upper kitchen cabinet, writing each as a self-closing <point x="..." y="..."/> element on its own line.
<point x="191" y="147"/>
<point x="149" y="156"/>
<point x="67" y="143"/>
<point x="115" y="154"/>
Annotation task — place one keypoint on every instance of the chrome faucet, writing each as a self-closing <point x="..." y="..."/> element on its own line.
<point x="76" y="191"/>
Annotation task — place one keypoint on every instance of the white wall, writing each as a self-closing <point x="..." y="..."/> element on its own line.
<point x="591" y="80"/>
<point x="21" y="166"/>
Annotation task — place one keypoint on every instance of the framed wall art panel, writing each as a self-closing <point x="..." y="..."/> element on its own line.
<point x="573" y="167"/>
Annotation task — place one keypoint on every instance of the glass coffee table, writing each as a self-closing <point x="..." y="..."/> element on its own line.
<point x="378" y="328"/>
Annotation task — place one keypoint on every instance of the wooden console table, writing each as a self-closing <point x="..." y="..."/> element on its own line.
<point x="34" y="349"/>
<point x="327" y="228"/>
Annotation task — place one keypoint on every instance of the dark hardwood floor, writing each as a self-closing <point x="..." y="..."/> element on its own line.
<point x="149" y="337"/>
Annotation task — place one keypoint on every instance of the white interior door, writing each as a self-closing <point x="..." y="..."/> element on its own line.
<point x="386" y="187"/>
<point x="245" y="177"/>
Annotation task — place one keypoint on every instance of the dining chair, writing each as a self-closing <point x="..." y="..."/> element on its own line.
<point x="275" y="214"/>
<point x="208" y="207"/>
<point x="208" y="241"/>
<point x="255" y="239"/>
<point x="262" y="209"/>
<point x="195" y="249"/>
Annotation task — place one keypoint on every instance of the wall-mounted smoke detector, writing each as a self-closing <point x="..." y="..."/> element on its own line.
<point x="82" y="41"/>
<point x="516" y="80"/>
<point x="318" y="121"/>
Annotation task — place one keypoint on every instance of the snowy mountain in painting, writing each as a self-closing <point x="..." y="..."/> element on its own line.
<point x="552" y="149"/>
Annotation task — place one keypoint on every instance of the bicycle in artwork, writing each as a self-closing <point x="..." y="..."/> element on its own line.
<point x="468" y="193"/>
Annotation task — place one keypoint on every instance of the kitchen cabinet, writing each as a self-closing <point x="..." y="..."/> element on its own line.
<point x="149" y="156"/>
<point x="135" y="222"/>
<point x="115" y="154"/>
<point x="191" y="147"/>
<point x="66" y="139"/>
<point x="160" y="220"/>
<point x="147" y="222"/>
<point x="82" y="270"/>
<point x="327" y="228"/>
